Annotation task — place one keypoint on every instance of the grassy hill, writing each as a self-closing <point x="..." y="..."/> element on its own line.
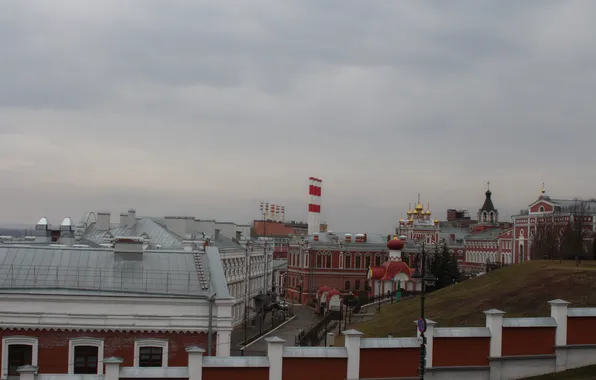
<point x="519" y="290"/>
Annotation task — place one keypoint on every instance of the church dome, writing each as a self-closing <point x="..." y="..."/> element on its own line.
<point x="409" y="212"/>
<point x="419" y="207"/>
<point x="395" y="244"/>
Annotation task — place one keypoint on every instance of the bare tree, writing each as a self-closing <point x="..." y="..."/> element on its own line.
<point x="576" y="236"/>
<point x="545" y="241"/>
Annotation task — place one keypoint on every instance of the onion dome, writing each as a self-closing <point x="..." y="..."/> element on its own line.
<point x="419" y="207"/>
<point x="436" y="221"/>
<point x="410" y="220"/>
<point x="428" y="212"/>
<point x="409" y="212"/>
<point x="402" y="221"/>
<point x="395" y="244"/>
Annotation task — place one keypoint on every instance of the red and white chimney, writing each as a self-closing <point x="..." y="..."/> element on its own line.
<point x="314" y="206"/>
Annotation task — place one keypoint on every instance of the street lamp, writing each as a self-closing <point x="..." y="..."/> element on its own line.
<point x="426" y="279"/>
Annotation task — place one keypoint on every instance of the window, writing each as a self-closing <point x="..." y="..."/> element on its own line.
<point x="367" y="265"/>
<point x="357" y="285"/>
<point x="151" y="353"/>
<point x="150" y="356"/>
<point x="85" y="360"/>
<point x="358" y="263"/>
<point x="319" y="261"/>
<point x="348" y="285"/>
<point x="348" y="261"/>
<point x="306" y="260"/>
<point x="341" y="260"/>
<point x="18" y="351"/>
<point x="85" y="356"/>
<point x="541" y="209"/>
<point x="377" y="260"/>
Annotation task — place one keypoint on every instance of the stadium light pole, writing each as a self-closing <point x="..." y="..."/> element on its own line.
<point x="425" y="279"/>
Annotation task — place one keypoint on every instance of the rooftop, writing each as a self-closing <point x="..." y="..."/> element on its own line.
<point x="159" y="272"/>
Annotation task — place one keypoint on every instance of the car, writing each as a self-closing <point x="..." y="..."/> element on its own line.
<point x="283" y="305"/>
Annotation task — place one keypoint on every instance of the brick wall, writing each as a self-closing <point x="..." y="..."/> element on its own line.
<point x="53" y="345"/>
<point x="506" y="348"/>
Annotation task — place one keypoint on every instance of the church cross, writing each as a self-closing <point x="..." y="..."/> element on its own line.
<point x="488" y="184"/>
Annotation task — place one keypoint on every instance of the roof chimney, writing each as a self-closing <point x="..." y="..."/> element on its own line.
<point x="123" y="219"/>
<point x="103" y="221"/>
<point x="132" y="217"/>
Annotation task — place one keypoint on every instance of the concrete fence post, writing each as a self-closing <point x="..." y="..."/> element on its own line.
<point x="353" y="346"/>
<point x="112" y="368"/>
<point x="27" y="372"/>
<point x="195" y="362"/>
<point x="429" y="335"/>
<point x="275" y="352"/>
<point x="558" y="311"/>
<point x="494" y="322"/>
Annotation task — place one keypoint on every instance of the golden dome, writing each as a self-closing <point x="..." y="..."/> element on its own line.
<point x="419" y="207"/>
<point x="411" y="220"/>
<point x="428" y="212"/>
<point x="401" y="221"/>
<point x="409" y="212"/>
<point x="436" y="221"/>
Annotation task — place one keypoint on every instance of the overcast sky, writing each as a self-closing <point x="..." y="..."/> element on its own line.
<point x="206" y="108"/>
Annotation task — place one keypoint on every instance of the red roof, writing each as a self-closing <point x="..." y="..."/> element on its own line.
<point x="323" y="289"/>
<point x="395" y="267"/>
<point x="377" y="272"/>
<point x="389" y="270"/>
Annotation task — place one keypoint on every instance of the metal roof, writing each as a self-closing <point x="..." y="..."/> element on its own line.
<point x="389" y="343"/>
<point x="529" y="322"/>
<point x="173" y="273"/>
<point x="315" y="352"/>
<point x="581" y="312"/>
<point x="236" y="361"/>
<point x="462" y="332"/>
<point x="485" y="235"/>
<point x="155" y="231"/>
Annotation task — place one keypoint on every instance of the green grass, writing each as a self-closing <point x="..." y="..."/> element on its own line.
<point x="584" y="373"/>
<point x="520" y="290"/>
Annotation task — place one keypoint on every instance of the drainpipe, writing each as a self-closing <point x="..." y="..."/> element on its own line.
<point x="210" y="329"/>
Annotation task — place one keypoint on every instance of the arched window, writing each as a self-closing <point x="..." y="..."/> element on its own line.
<point x="151" y="353"/>
<point x="358" y="263"/>
<point x="18" y="351"/>
<point x="357" y="285"/>
<point x="541" y="209"/>
<point x="306" y="260"/>
<point x="348" y="261"/>
<point x="319" y="260"/>
<point x="347" y="285"/>
<point x="341" y="260"/>
<point x="367" y="261"/>
<point x="377" y="260"/>
<point x="85" y="356"/>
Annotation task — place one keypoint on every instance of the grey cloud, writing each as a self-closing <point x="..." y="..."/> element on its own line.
<point x="380" y="99"/>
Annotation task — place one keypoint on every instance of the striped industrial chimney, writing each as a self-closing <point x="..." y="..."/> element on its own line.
<point x="314" y="207"/>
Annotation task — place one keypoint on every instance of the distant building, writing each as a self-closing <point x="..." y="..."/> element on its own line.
<point x="558" y="212"/>
<point x="239" y="254"/>
<point x="327" y="259"/>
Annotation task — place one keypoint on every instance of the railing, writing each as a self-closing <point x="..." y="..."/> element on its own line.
<point x="312" y="336"/>
<point x="120" y="279"/>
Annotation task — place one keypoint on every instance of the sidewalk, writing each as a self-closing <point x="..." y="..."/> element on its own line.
<point x="304" y="319"/>
<point x="239" y="334"/>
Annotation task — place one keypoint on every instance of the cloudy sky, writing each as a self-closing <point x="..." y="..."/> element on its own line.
<point x="206" y="108"/>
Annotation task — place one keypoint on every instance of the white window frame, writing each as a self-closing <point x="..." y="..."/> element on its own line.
<point x="91" y="342"/>
<point x="162" y="343"/>
<point x="18" y="339"/>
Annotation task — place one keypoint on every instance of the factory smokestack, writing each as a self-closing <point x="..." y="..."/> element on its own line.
<point x="314" y="206"/>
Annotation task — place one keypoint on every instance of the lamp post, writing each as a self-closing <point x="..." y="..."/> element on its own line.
<point x="426" y="279"/>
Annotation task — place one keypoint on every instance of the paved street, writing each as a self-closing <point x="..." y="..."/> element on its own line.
<point x="304" y="319"/>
